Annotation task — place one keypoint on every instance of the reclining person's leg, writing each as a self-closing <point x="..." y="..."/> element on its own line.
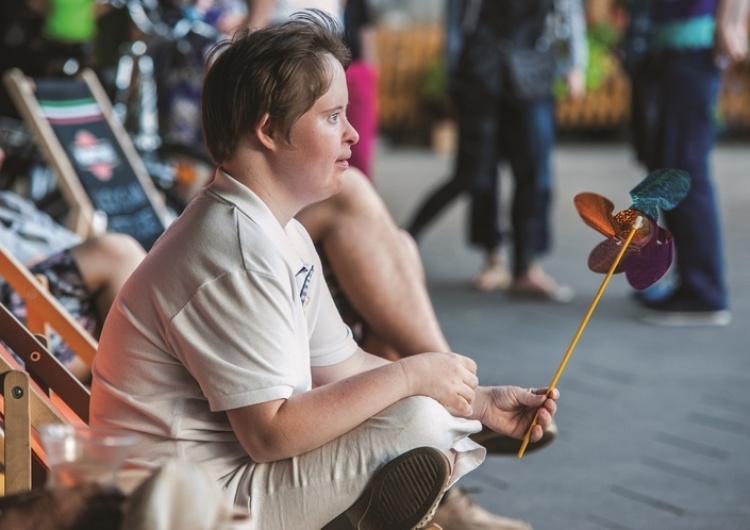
<point x="105" y="262"/>
<point x="85" y="280"/>
<point x="378" y="268"/>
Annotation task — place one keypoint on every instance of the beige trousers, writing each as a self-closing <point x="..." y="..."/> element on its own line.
<point x="308" y="491"/>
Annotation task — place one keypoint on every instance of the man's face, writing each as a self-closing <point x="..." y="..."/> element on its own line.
<point x="321" y="143"/>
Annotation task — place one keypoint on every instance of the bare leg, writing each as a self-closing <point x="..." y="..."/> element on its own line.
<point x="105" y="263"/>
<point x="378" y="267"/>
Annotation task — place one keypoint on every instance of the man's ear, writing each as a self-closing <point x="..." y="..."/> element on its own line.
<point x="264" y="132"/>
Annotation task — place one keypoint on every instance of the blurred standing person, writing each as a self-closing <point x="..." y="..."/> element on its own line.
<point x="362" y="81"/>
<point x="503" y="57"/>
<point x="682" y="47"/>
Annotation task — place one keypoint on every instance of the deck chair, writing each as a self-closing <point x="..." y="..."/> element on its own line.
<point x="100" y="173"/>
<point x="53" y="395"/>
<point x="43" y="310"/>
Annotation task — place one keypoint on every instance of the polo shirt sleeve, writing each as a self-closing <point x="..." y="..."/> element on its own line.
<point x="239" y="337"/>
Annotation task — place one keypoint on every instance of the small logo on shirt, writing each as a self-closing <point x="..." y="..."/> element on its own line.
<point x="303" y="293"/>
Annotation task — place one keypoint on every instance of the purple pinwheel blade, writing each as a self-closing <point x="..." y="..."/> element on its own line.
<point x="601" y="258"/>
<point x="651" y="262"/>
<point x="663" y="188"/>
<point x="596" y="211"/>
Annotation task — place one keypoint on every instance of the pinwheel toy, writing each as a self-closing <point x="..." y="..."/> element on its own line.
<point x="650" y="253"/>
<point x="635" y="243"/>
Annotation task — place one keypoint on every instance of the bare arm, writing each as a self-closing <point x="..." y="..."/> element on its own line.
<point x="732" y="20"/>
<point x="368" y="36"/>
<point x="348" y="394"/>
<point x="259" y="12"/>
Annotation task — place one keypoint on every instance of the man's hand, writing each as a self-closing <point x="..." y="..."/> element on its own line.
<point x="510" y="410"/>
<point x="449" y="378"/>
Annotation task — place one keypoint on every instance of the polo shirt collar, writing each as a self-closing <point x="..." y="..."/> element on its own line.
<point x="245" y="200"/>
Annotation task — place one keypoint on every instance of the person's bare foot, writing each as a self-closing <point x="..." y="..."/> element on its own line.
<point x="493" y="276"/>
<point x="537" y="284"/>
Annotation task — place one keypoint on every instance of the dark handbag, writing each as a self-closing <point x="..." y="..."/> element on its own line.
<point x="531" y="73"/>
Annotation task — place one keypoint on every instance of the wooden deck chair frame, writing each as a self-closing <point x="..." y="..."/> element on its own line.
<point x="83" y="216"/>
<point x="45" y="370"/>
<point x="16" y="428"/>
<point x="53" y="395"/>
<point x="43" y="309"/>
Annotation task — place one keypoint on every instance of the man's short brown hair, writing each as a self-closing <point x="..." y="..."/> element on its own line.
<point x="280" y="70"/>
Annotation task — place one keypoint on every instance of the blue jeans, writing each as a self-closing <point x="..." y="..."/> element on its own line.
<point x="492" y="130"/>
<point x="521" y="133"/>
<point x="674" y="99"/>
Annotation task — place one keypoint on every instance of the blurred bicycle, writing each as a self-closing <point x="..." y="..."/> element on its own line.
<point x="157" y="92"/>
<point x="155" y="89"/>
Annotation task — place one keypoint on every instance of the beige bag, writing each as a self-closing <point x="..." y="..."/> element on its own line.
<point x="181" y="495"/>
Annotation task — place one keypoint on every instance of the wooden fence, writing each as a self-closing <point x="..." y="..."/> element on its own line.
<point x="406" y="53"/>
<point x="404" y="56"/>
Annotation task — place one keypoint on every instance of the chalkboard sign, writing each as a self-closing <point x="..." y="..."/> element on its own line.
<point x="98" y="168"/>
<point x="107" y="177"/>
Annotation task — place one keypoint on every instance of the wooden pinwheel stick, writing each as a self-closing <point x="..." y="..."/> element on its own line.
<point x="636" y="225"/>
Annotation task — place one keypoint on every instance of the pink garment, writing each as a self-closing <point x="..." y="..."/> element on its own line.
<point x="361" y="79"/>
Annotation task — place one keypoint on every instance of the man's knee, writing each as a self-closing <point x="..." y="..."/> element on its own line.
<point x="358" y="196"/>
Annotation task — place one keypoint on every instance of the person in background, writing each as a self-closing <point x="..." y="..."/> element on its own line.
<point x="503" y="57"/>
<point x="362" y="81"/>
<point x="678" y="51"/>
<point x="234" y="352"/>
<point x="83" y="275"/>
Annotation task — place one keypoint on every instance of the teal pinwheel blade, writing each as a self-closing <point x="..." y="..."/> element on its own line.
<point x="662" y="188"/>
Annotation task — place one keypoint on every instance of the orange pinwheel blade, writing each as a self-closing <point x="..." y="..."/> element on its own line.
<point x="596" y="211"/>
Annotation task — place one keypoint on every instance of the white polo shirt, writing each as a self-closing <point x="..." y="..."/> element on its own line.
<point x="228" y="309"/>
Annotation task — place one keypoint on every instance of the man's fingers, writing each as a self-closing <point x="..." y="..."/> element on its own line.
<point x="553" y="394"/>
<point x="470" y="364"/>
<point x="467" y="393"/>
<point x="536" y="433"/>
<point x="544" y="419"/>
<point x="459" y="406"/>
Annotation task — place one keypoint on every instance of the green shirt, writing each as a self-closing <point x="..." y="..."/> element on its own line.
<point x="71" y="21"/>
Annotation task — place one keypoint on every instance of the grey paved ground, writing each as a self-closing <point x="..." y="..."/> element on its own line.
<point x="654" y="422"/>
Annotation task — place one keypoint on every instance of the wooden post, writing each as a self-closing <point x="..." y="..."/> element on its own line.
<point x="17" y="451"/>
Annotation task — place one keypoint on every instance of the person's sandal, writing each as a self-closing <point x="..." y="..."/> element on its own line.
<point x="402" y="495"/>
<point x="501" y="445"/>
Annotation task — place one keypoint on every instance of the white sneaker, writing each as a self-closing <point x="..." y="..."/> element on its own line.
<point x="459" y="512"/>
<point x="722" y="317"/>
